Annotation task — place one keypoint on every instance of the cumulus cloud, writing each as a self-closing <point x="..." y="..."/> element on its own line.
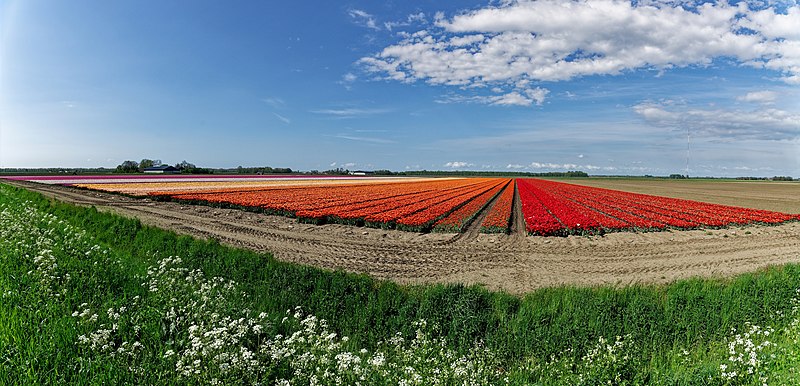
<point x="518" y="42"/>
<point x="458" y="164"/>
<point x="763" y="97"/>
<point x="764" y="124"/>
<point x="515" y="98"/>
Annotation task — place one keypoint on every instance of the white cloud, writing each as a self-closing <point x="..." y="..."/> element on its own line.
<point x="515" y="166"/>
<point x="763" y="97"/>
<point x="774" y="25"/>
<point x="763" y="124"/>
<point x="417" y="17"/>
<point x="569" y="166"/>
<point x="347" y="80"/>
<point x="552" y="40"/>
<point x="414" y="18"/>
<point x="349" y="112"/>
<point x="550" y="165"/>
<point x="458" y="164"/>
<point x="514" y="98"/>
<point x="274" y="102"/>
<point x="343" y="165"/>
<point x="364" y="139"/>
<point x="282" y="118"/>
<point x="363" y="18"/>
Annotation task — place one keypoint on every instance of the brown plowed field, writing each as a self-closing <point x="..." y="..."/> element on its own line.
<point x="768" y="195"/>
<point x="512" y="263"/>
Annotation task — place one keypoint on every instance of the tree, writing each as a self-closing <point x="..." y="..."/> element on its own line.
<point x="128" y="167"/>
<point x="146" y="163"/>
<point x="185" y="165"/>
<point x="337" y="172"/>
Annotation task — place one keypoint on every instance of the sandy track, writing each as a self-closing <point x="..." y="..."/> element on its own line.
<point x="512" y="263"/>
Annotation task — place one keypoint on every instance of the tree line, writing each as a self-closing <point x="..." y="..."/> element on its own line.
<point x="129" y="166"/>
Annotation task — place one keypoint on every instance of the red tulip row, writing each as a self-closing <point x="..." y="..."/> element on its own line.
<point x="560" y="208"/>
<point x="461" y="217"/>
<point x="499" y="216"/>
<point x="535" y="209"/>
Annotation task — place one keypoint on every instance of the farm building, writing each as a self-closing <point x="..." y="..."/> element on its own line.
<point x="162" y="169"/>
<point x="361" y="173"/>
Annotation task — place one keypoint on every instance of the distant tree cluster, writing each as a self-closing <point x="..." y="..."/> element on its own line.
<point x="776" y="178"/>
<point x="678" y="176"/>
<point x="128" y="167"/>
<point x="135" y="167"/>
<point x="337" y="172"/>
<point x="138" y="167"/>
<point x="752" y="178"/>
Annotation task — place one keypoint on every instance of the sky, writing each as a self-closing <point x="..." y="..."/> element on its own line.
<point x="607" y="87"/>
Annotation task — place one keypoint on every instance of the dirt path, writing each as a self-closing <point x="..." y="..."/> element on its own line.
<point x="518" y="229"/>
<point x="513" y="263"/>
<point x="473" y="229"/>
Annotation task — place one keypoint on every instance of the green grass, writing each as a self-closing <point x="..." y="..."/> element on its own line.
<point x="672" y="334"/>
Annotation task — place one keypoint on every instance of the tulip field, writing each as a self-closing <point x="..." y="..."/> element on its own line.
<point x="440" y="204"/>
<point x="549" y="208"/>
<point x="413" y="206"/>
<point x="559" y="208"/>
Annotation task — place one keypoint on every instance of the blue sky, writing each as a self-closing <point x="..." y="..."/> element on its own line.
<point x="608" y="87"/>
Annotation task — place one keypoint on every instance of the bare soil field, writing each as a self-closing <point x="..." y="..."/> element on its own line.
<point x="512" y="263"/>
<point x="769" y="195"/>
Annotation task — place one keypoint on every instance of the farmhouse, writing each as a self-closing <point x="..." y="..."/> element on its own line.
<point x="162" y="169"/>
<point x="361" y="173"/>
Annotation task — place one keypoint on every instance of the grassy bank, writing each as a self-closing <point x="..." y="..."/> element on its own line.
<point x="93" y="298"/>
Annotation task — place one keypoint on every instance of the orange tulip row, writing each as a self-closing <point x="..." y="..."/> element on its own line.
<point x="467" y="205"/>
<point x="499" y="216"/>
<point x="412" y="205"/>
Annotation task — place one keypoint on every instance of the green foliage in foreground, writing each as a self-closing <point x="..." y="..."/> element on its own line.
<point x="93" y="298"/>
